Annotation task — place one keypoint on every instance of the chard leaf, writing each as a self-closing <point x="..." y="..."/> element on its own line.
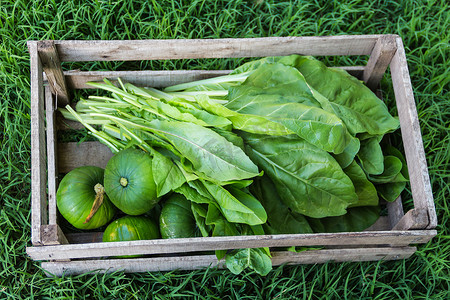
<point x="359" y="108"/>
<point x="356" y="219"/>
<point x="255" y="259"/>
<point x="390" y="191"/>
<point x="245" y="122"/>
<point x="308" y="179"/>
<point x="367" y="194"/>
<point x="392" y="171"/>
<point x="200" y="218"/>
<point x="209" y="153"/>
<point x="371" y="156"/>
<point x="237" y="206"/>
<point x="280" y="94"/>
<point x="348" y="155"/>
<point x="279" y="218"/>
<point x="167" y="175"/>
<point x="192" y="195"/>
<point x="221" y="226"/>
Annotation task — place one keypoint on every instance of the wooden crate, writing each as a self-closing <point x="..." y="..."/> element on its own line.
<point x="392" y="237"/>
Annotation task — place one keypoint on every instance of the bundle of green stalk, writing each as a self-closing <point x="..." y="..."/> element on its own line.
<point x="314" y="132"/>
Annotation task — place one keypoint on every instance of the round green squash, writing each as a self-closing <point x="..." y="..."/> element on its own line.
<point x="131" y="228"/>
<point x="81" y="200"/>
<point x="176" y="219"/>
<point x="129" y="181"/>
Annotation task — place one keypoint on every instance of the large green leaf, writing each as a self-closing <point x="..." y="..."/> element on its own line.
<point x="209" y="153"/>
<point x="356" y="219"/>
<point x="308" y="179"/>
<point x="245" y="122"/>
<point x="280" y="94"/>
<point x="359" y="108"/>
<point x="255" y="259"/>
<point x="367" y="194"/>
<point x="371" y="156"/>
<point x="237" y="206"/>
<point x="279" y="218"/>
<point x="392" y="171"/>
<point x="167" y="175"/>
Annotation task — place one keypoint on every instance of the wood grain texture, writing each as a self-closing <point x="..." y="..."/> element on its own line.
<point x="73" y="155"/>
<point x="395" y="212"/>
<point x="157" y="79"/>
<point x="38" y="148"/>
<point x="379" y="60"/>
<point x="52" y="169"/>
<point x="52" y="67"/>
<point x="414" y="219"/>
<point x="184" y="245"/>
<point x="52" y="235"/>
<point x="412" y="138"/>
<point x="214" y="48"/>
<point x="210" y="261"/>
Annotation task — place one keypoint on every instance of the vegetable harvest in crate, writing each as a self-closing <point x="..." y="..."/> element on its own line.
<point x="280" y="145"/>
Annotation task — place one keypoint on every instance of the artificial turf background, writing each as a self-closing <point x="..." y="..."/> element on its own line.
<point x="425" y="29"/>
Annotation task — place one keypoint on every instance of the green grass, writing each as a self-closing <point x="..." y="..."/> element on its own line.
<point x="424" y="27"/>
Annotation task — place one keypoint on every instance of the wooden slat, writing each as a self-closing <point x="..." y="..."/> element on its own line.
<point x="52" y="170"/>
<point x="214" y="48"/>
<point x="379" y="60"/>
<point x="96" y="237"/>
<point x="38" y="151"/>
<point x="412" y="138"/>
<point x="414" y="219"/>
<point x="52" y="66"/>
<point x="52" y="235"/>
<point x="73" y="155"/>
<point x="395" y="212"/>
<point x="210" y="261"/>
<point x="161" y="246"/>
<point x="380" y="225"/>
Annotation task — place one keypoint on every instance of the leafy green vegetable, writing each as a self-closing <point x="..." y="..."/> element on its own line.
<point x="168" y="176"/>
<point x="280" y="94"/>
<point x="279" y="217"/>
<point x="367" y="194"/>
<point x="356" y="219"/>
<point x="308" y="180"/>
<point x="371" y="156"/>
<point x="255" y="259"/>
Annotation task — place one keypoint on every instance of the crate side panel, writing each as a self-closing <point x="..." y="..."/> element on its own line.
<point x="214" y="48"/>
<point x="73" y="155"/>
<point x="52" y="170"/>
<point x="210" y="261"/>
<point x="183" y="245"/>
<point x="38" y="148"/>
<point x="411" y="135"/>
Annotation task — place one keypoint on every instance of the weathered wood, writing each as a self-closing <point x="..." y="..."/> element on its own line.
<point x="38" y="151"/>
<point x="381" y="224"/>
<point x="379" y="60"/>
<point x="214" y="48"/>
<point x="85" y="237"/>
<point x="210" y="261"/>
<point x="52" y="235"/>
<point x="414" y="219"/>
<point x="395" y="212"/>
<point x="96" y="237"/>
<point x="53" y="70"/>
<point x="73" y="155"/>
<point x="412" y="138"/>
<point x="157" y="79"/>
<point x="52" y="170"/>
<point x="183" y="245"/>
